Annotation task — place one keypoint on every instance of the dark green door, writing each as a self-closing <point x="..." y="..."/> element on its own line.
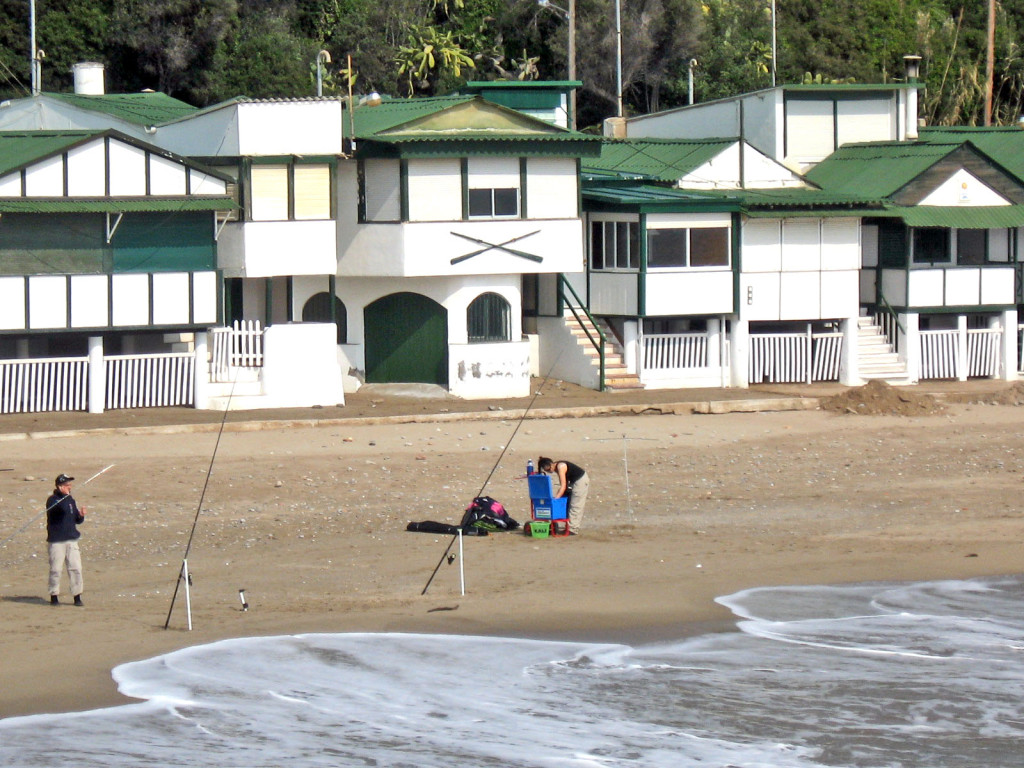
<point x="406" y="340"/>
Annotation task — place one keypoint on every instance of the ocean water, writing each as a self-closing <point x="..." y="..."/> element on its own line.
<point x="927" y="674"/>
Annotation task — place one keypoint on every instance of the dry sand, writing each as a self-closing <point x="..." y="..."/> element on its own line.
<point x="311" y="523"/>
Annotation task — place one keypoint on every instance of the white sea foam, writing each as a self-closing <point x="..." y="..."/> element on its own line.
<point x="910" y="675"/>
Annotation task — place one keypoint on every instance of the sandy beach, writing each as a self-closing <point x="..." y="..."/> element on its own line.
<point x="310" y="522"/>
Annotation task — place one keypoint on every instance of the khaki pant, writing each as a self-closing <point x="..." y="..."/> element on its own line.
<point x="577" y="503"/>
<point x="65" y="554"/>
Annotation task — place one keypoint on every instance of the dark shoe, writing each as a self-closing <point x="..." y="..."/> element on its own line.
<point x="54" y="600"/>
<point x="78" y="601"/>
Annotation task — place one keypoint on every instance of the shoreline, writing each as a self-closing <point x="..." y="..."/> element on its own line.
<point x="311" y="523"/>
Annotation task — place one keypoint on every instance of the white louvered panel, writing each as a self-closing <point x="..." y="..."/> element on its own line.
<point x="269" y="192"/>
<point x="435" y="190"/>
<point x="312" y="191"/>
<point x="493" y="172"/>
<point x="551" y="188"/>
<point x="382" y="185"/>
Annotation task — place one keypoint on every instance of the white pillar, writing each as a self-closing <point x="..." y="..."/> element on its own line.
<point x="631" y="346"/>
<point x="1008" y="345"/>
<point x="714" y="342"/>
<point x="910" y="345"/>
<point x="849" y="370"/>
<point x="739" y="354"/>
<point x="202" y="372"/>
<point x="97" y="375"/>
<point x="961" y="347"/>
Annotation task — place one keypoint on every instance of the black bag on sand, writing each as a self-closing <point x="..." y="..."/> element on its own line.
<point x="487" y="514"/>
<point x="429" y="526"/>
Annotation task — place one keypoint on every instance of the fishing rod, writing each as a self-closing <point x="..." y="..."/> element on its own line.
<point x="522" y="418"/>
<point x="183" y="574"/>
<point x="26" y="525"/>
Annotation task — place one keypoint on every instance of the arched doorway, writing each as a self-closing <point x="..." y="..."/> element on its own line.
<point x="317" y="309"/>
<point x="406" y="337"/>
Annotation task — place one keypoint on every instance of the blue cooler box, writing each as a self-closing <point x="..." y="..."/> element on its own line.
<point x="545" y="507"/>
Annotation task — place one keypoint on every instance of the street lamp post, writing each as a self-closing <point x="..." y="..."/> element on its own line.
<point x="570" y="16"/>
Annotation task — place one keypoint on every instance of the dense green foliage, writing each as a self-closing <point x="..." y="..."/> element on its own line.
<point x="205" y="51"/>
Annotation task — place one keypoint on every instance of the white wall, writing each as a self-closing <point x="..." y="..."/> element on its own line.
<point x="300" y="366"/>
<point x="270" y="248"/>
<point x="964" y="189"/>
<point x="478" y="371"/>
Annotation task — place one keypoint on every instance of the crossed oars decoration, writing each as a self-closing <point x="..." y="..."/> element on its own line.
<point x="496" y="246"/>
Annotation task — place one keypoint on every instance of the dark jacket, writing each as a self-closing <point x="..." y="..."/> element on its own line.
<point x="62" y="518"/>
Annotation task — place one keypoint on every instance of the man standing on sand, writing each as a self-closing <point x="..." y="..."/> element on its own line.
<point x="62" y="520"/>
<point x="572" y="481"/>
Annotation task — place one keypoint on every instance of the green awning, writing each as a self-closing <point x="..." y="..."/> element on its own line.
<point x="133" y="205"/>
<point x="977" y="217"/>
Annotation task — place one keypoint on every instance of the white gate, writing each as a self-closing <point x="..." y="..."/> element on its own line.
<point x="59" y="384"/>
<point x="780" y="358"/>
<point x="240" y="346"/>
<point x="940" y="353"/>
<point x="150" y="381"/>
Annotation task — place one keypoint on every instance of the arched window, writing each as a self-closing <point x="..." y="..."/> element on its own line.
<point x="489" y="318"/>
<point x="317" y="309"/>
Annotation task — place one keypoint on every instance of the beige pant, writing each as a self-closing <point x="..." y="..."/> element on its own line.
<point x="65" y="554"/>
<point x="577" y="502"/>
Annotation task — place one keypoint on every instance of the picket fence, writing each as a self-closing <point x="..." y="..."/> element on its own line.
<point x="940" y="353"/>
<point x="789" y="358"/>
<point x="31" y="386"/>
<point x="674" y="351"/>
<point x="240" y="346"/>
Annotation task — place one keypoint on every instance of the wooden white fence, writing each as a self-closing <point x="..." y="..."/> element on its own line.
<point x="667" y="351"/>
<point x="779" y="358"/>
<point x="150" y="381"/>
<point x="940" y="353"/>
<point x="240" y="346"/>
<point x="59" y="384"/>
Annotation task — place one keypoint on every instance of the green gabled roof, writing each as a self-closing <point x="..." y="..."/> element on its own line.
<point x="453" y="117"/>
<point x="20" y="148"/>
<point x="1004" y="144"/>
<point x="115" y="205"/>
<point x="138" y="108"/>
<point x="392" y="113"/>
<point x="666" y="160"/>
<point x="878" y="170"/>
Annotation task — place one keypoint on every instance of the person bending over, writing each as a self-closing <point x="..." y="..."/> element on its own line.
<point x="572" y="482"/>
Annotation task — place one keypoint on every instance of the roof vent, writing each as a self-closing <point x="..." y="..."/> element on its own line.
<point x="88" y="78"/>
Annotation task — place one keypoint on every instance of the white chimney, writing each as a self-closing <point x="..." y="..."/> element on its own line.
<point x="913" y="68"/>
<point x="88" y="78"/>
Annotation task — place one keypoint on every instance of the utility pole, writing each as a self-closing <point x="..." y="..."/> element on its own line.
<point x="990" y="61"/>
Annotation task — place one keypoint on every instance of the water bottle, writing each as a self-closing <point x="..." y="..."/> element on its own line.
<point x="529" y="466"/>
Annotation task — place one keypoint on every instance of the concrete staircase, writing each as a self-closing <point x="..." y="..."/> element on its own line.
<point x="616" y="377"/>
<point x="876" y="359"/>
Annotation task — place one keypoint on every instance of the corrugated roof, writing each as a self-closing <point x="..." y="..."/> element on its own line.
<point x="665" y="160"/>
<point x="115" y="205"/>
<point x="1004" y="144"/>
<point x="391" y="113"/>
<point x="137" y="108"/>
<point x="879" y="169"/>
<point x="978" y="217"/>
<point x="19" y="148"/>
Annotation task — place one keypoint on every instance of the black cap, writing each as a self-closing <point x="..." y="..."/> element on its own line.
<point x="62" y="478"/>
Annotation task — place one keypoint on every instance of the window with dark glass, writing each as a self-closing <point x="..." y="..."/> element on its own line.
<point x="931" y="245"/>
<point x="971" y="246"/>
<point x="489" y="318"/>
<point x="709" y="247"/>
<point x="615" y="245"/>
<point x="488" y="203"/>
<point x="667" y="247"/>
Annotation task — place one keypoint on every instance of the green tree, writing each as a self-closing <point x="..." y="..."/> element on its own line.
<point x="171" y="45"/>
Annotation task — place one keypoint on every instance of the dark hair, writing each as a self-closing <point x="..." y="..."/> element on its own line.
<point x="544" y="463"/>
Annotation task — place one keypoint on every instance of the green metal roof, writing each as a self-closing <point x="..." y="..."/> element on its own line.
<point x="391" y="113"/>
<point x="1004" y="144"/>
<point x="666" y="160"/>
<point x="878" y="170"/>
<point x="115" y="205"/>
<point x="978" y="217"/>
<point x="138" y="108"/>
<point x="20" y="148"/>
